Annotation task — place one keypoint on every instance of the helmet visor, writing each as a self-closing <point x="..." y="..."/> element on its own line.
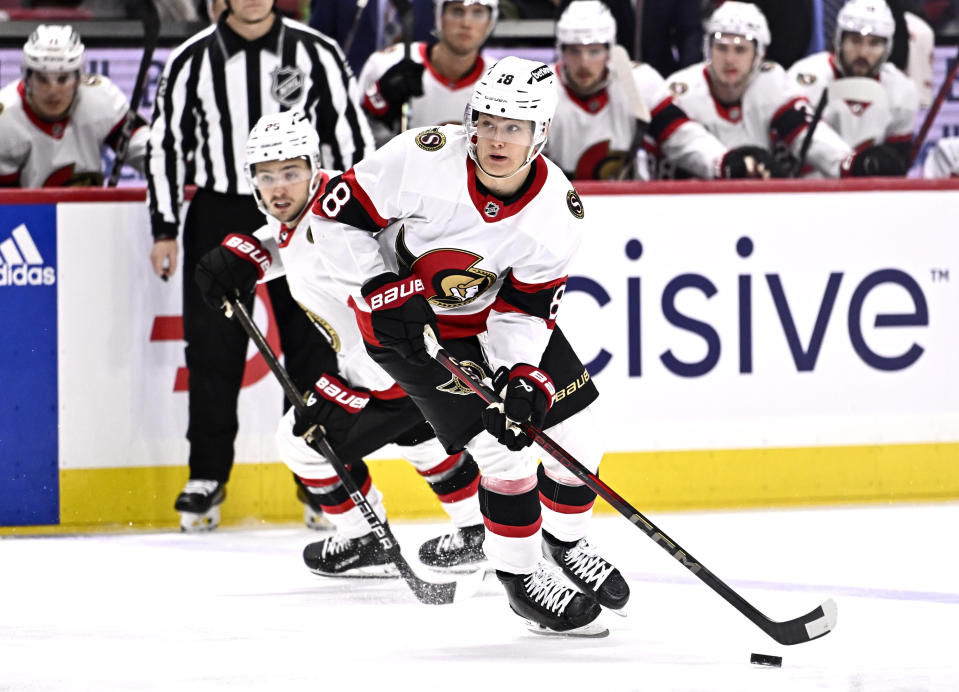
<point x="287" y="175"/>
<point x="508" y="130"/>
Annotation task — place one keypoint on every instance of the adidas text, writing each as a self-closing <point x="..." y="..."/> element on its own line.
<point x="26" y="275"/>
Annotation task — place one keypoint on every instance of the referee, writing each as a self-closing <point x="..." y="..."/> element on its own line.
<point x="214" y="88"/>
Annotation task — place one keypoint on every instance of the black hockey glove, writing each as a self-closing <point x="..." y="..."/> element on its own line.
<point x="879" y="160"/>
<point x="334" y="406"/>
<point x="232" y="269"/>
<point x="750" y="162"/>
<point x="400" y="311"/>
<point x="527" y="396"/>
<point x="400" y="82"/>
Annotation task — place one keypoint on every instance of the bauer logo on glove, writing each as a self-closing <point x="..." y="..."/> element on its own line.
<point x="527" y="396"/>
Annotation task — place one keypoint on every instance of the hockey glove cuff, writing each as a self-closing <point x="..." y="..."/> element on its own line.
<point x="399" y="313"/>
<point x="527" y="397"/>
<point x="333" y="405"/>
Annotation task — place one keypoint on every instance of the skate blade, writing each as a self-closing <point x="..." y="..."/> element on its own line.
<point x="621" y="612"/>
<point x="387" y="571"/>
<point x="591" y="630"/>
<point x="191" y="522"/>
<point x="464" y="568"/>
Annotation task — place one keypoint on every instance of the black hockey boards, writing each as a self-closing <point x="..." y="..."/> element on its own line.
<point x="426" y="592"/>
<point x="812" y="625"/>
<point x="151" y="31"/>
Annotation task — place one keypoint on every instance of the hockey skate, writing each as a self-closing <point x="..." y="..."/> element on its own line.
<point x="313" y="517"/>
<point x="199" y="505"/>
<point x="459" y="549"/>
<point x="550" y="606"/>
<point x="588" y="570"/>
<point x="349" y="557"/>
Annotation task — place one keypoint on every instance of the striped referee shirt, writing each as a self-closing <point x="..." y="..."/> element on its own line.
<point x="214" y="88"/>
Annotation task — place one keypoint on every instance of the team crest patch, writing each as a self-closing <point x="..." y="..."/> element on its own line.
<point x="767" y="66"/>
<point x="491" y="209"/>
<point x="325" y="328"/>
<point x="1" y="108"/>
<point x="456" y="386"/>
<point x="430" y="140"/>
<point x="805" y="78"/>
<point x="575" y="204"/>
<point x="287" y="85"/>
<point x="92" y="80"/>
<point x="678" y="88"/>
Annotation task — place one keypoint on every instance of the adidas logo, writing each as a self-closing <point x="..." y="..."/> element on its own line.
<point x="22" y="263"/>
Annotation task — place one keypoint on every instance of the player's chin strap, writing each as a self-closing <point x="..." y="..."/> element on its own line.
<point x="426" y="592"/>
<point x="812" y="625"/>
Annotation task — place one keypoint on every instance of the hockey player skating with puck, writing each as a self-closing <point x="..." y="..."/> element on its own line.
<point x="359" y="406"/>
<point x="55" y="121"/>
<point x="470" y="231"/>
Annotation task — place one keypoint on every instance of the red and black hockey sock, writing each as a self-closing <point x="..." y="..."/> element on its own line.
<point x="510" y="516"/>
<point x="561" y="498"/>
<point x="456" y="478"/>
<point x="329" y="495"/>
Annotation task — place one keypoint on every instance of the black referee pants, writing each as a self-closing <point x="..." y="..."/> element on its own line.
<point x="216" y="347"/>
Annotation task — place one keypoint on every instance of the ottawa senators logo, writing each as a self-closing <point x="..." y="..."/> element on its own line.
<point x="450" y="276"/>
<point x="430" y="140"/>
<point x="325" y="328"/>
<point x="598" y="162"/>
<point x="805" y="79"/>
<point x="678" y="88"/>
<point x="92" y="80"/>
<point x="456" y="386"/>
<point x="767" y="66"/>
<point x="575" y="204"/>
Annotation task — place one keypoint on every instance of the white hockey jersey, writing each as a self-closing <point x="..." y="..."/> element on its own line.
<point x="771" y="114"/>
<point x="590" y="137"/>
<point x="37" y="153"/>
<point x="443" y="101"/>
<point x="297" y="258"/>
<point x="889" y="120"/>
<point x="487" y="264"/>
<point x="943" y="160"/>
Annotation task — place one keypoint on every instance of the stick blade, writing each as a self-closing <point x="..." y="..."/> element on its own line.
<point x="444" y="593"/>
<point x="814" y="624"/>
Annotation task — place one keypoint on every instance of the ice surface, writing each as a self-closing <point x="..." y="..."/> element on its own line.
<point x="237" y="610"/>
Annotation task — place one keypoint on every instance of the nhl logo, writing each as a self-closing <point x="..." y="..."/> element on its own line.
<point x="491" y="210"/>
<point x="287" y="85"/>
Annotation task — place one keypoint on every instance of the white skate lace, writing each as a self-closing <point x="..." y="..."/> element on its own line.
<point x="335" y="545"/>
<point x="200" y="487"/>
<point x="583" y="561"/>
<point x="544" y="588"/>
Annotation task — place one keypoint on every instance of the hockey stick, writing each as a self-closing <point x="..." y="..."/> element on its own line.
<point x="812" y="625"/>
<point x="426" y="592"/>
<point x="351" y="34"/>
<point x="933" y="112"/>
<point x="404" y="9"/>
<point x="623" y="70"/>
<point x="151" y="30"/>
<point x="810" y="129"/>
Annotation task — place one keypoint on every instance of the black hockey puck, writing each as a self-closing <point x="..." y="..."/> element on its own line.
<point x="766" y="660"/>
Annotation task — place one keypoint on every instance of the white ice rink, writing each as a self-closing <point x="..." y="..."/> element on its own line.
<point x="237" y="610"/>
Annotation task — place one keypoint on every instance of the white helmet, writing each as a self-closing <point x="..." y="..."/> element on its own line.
<point x="865" y="17"/>
<point x="493" y="6"/>
<point x="53" y="48"/>
<point x="585" y="22"/>
<point x="514" y="88"/>
<point x="279" y="137"/>
<point x="740" y="19"/>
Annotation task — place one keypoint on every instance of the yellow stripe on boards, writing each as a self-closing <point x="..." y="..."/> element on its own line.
<point x="123" y="498"/>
